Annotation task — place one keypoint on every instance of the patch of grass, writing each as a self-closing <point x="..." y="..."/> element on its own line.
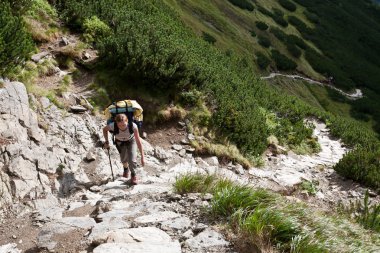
<point x="307" y="147"/>
<point x="198" y="182"/>
<point x="64" y="84"/>
<point x="310" y="187"/>
<point x="171" y="113"/>
<point x="234" y="198"/>
<point x="226" y="152"/>
<point x="41" y="20"/>
<point x="53" y="98"/>
<point x="46" y="67"/>
<point x="364" y="212"/>
<point x="267" y="221"/>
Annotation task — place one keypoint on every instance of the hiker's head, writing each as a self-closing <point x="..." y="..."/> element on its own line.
<point x="121" y="119"/>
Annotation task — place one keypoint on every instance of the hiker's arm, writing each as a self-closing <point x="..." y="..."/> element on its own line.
<point x="139" y="145"/>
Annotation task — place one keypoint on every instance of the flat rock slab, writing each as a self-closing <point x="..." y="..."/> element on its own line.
<point x="62" y="226"/>
<point x="150" y="189"/>
<point x="181" y="223"/>
<point x="134" y="235"/>
<point x="157" y="217"/>
<point x="169" y="247"/>
<point x="206" y="239"/>
<point x="9" y="248"/>
<point x="100" y="232"/>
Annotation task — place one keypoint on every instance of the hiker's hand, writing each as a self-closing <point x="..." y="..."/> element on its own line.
<point x="142" y="161"/>
<point x="106" y="145"/>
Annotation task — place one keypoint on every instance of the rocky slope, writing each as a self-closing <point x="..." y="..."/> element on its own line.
<point x="57" y="194"/>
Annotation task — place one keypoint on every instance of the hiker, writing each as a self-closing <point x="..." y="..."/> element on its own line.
<point x="125" y="142"/>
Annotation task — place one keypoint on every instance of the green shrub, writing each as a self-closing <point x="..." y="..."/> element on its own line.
<point x="15" y="47"/>
<point x="190" y="98"/>
<point x="290" y="6"/>
<point x="264" y="41"/>
<point x="294" y="50"/>
<point x="243" y="4"/>
<point x="253" y="33"/>
<point x="17" y="7"/>
<point x="362" y="165"/>
<point x="280" y="35"/>
<point x="208" y="37"/>
<point x="262" y="60"/>
<point x="293" y="39"/>
<point x="300" y="25"/>
<point x="261" y="25"/>
<point x="283" y="62"/>
<point x="264" y="11"/>
<point x="278" y="17"/>
<point x="312" y="17"/>
<point x="95" y="29"/>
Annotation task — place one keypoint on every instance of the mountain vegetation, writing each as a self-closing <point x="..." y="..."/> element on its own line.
<point x="147" y="43"/>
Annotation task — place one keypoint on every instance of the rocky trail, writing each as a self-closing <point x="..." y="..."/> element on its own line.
<point x="353" y="96"/>
<point x="57" y="195"/>
<point x="56" y="192"/>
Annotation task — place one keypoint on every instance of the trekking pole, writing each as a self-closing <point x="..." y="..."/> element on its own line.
<point x="109" y="157"/>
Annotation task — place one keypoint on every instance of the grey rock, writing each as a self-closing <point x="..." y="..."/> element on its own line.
<point x="199" y="227"/>
<point x="48" y="214"/>
<point x="77" y="109"/>
<point x="191" y="137"/>
<point x="239" y="170"/>
<point x="206" y="239"/>
<point x="64" y="225"/>
<point x="64" y="41"/>
<point x="169" y="247"/>
<point x="86" y="56"/>
<point x="185" y="142"/>
<point x="212" y="161"/>
<point x="161" y="154"/>
<point x="134" y="235"/>
<point x="320" y="195"/>
<point x="181" y="223"/>
<point x="14" y="101"/>
<point x="91" y="156"/>
<point x="157" y="217"/>
<point x="100" y="232"/>
<point x="182" y="153"/>
<point x="96" y="188"/>
<point x="9" y="248"/>
<point x="207" y="196"/>
<point x="45" y="102"/>
<point x="176" y="147"/>
<point x="38" y="57"/>
<point x="187" y="235"/>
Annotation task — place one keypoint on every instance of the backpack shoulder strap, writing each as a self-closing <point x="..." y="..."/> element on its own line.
<point x="130" y="126"/>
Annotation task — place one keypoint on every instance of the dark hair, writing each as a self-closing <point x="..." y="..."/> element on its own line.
<point x="120" y="118"/>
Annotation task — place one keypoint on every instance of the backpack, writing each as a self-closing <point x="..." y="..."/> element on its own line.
<point x="130" y="108"/>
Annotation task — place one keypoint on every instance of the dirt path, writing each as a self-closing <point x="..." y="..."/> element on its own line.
<point x="353" y="96"/>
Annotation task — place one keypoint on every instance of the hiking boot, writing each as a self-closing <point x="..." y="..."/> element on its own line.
<point x="134" y="180"/>
<point x="126" y="173"/>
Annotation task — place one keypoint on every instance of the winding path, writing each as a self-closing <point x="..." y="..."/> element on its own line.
<point x="353" y="96"/>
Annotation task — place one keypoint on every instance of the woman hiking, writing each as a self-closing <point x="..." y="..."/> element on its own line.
<point x="126" y="141"/>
